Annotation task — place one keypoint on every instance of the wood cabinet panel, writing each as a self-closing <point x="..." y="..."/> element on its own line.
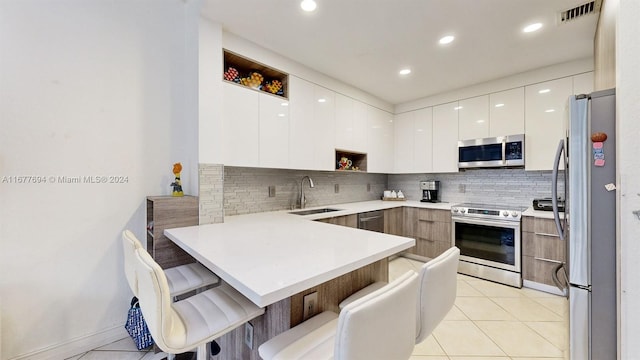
<point x="169" y="212"/>
<point x="430" y="248"/>
<point x="434" y="215"/>
<point x="538" y="270"/>
<point x="393" y="221"/>
<point x="542" y="249"/>
<point x="347" y="220"/>
<point x="539" y="225"/>
<point x="546" y="247"/>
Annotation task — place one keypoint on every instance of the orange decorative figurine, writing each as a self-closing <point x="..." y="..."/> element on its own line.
<point x="177" y="184"/>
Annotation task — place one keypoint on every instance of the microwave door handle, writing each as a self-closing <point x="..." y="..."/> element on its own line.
<point x="554" y="189"/>
<point x="504" y="151"/>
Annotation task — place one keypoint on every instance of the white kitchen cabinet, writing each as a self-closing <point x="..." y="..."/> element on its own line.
<point x="343" y="121"/>
<point x="274" y="132"/>
<point x="583" y="83"/>
<point x="403" y="126"/>
<point x="473" y="118"/>
<point x="545" y="121"/>
<point x="380" y="141"/>
<point x="350" y="124"/>
<point x="324" y="133"/>
<point x="445" y="138"/>
<point x="241" y="126"/>
<point x="301" y="123"/>
<point x="360" y="123"/>
<point x="423" y="141"/>
<point x="506" y="112"/>
<point x="311" y="131"/>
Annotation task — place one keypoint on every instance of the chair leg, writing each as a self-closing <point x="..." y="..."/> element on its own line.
<point x="202" y="351"/>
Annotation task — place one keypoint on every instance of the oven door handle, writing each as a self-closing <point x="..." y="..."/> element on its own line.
<point x="468" y="220"/>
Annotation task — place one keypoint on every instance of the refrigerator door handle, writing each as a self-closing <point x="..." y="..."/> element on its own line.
<point x="558" y="282"/>
<point x="554" y="189"/>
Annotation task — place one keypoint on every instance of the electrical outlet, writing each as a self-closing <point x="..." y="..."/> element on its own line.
<point x="336" y="188"/>
<point x="272" y="191"/>
<point x="310" y="303"/>
<point x="462" y="188"/>
<point x="248" y="335"/>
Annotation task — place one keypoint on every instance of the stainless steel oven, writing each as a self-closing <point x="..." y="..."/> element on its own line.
<point x="488" y="237"/>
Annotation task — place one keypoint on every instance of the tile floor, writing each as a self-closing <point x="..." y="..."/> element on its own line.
<point x="488" y="322"/>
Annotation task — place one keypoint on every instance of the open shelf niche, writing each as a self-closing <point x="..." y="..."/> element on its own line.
<point x="358" y="161"/>
<point x="254" y="75"/>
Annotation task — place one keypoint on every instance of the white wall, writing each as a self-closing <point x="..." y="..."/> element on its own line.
<point x="628" y="110"/>
<point x="86" y="88"/>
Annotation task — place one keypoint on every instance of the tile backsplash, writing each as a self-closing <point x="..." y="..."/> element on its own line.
<point x="515" y="187"/>
<point x="246" y="190"/>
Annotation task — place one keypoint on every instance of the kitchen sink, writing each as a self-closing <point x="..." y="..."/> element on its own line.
<point x="313" y="211"/>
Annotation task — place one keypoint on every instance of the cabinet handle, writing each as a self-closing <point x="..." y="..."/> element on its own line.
<point x="547" y="234"/>
<point x="425" y="239"/>
<point x="425" y="220"/>
<point x="549" y="260"/>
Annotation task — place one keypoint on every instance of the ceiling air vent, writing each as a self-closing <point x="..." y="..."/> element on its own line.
<point x="579" y="11"/>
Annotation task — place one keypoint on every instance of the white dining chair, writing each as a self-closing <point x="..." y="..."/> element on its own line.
<point x="380" y="325"/>
<point x="178" y="327"/>
<point x="436" y="295"/>
<point x="182" y="279"/>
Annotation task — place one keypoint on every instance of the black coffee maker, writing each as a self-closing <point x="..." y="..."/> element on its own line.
<point x="430" y="190"/>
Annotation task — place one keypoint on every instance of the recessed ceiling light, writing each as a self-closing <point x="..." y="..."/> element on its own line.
<point x="544" y="91"/>
<point x="447" y="39"/>
<point x="308" y="5"/>
<point x="457" y="108"/>
<point x="480" y="121"/>
<point x="499" y="105"/>
<point x="405" y="72"/>
<point x="322" y="100"/>
<point x="281" y="115"/>
<point x="532" y="27"/>
<point x="285" y="104"/>
<point x="550" y="110"/>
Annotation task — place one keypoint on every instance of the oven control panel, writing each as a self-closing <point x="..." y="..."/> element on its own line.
<point x="486" y="211"/>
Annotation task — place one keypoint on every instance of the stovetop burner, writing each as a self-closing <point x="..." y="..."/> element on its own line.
<point x="491" y="211"/>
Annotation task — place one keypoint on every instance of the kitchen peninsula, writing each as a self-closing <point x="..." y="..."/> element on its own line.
<point x="276" y="258"/>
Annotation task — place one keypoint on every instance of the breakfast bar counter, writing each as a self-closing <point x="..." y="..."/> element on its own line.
<point x="271" y="256"/>
<point x="277" y="258"/>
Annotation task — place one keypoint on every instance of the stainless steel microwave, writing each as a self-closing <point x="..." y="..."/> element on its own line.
<point x="501" y="151"/>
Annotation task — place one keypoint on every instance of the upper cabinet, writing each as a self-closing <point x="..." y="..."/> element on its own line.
<point x="445" y="137"/>
<point x="311" y="126"/>
<point x="380" y="141"/>
<point x="350" y="124"/>
<point x="473" y="118"/>
<point x="413" y="141"/>
<point x="423" y="140"/>
<point x="404" y="140"/>
<point x="506" y="111"/>
<point x="583" y="83"/>
<point x="274" y="132"/>
<point x="545" y="121"/>
<point x="241" y="125"/>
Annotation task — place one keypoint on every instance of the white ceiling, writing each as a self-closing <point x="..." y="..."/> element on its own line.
<point x="366" y="42"/>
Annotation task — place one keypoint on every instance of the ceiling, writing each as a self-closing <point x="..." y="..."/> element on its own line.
<point x="365" y="43"/>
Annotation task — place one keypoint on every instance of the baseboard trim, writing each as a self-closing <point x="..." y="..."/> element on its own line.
<point x="76" y="346"/>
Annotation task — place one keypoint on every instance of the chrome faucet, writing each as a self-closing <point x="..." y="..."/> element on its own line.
<point x="302" y="199"/>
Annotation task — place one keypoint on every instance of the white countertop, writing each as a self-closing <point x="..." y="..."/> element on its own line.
<point x="540" y="213"/>
<point x="274" y="255"/>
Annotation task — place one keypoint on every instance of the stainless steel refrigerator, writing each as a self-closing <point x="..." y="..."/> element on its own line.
<point x="589" y="225"/>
